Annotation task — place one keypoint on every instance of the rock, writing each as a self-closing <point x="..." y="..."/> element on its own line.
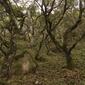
<point x="25" y="67"/>
<point x="37" y="82"/>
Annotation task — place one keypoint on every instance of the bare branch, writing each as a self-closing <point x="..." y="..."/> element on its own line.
<point x="77" y="22"/>
<point x="64" y="11"/>
<point x="74" y="45"/>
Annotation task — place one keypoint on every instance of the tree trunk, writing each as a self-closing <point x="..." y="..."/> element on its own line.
<point x="69" y="61"/>
<point x="7" y="68"/>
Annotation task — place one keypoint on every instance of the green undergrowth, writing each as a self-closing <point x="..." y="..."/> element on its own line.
<point x="52" y="71"/>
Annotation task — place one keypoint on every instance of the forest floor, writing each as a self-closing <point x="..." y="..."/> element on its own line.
<point x="52" y="71"/>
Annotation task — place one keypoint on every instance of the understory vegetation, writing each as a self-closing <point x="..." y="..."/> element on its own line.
<point x="42" y="42"/>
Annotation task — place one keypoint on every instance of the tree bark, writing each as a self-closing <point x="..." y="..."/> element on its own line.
<point x="6" y="68"/>
<point x="69" y="61"/>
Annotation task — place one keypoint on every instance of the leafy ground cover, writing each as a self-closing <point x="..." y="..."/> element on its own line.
<point x="51" y="71"/>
